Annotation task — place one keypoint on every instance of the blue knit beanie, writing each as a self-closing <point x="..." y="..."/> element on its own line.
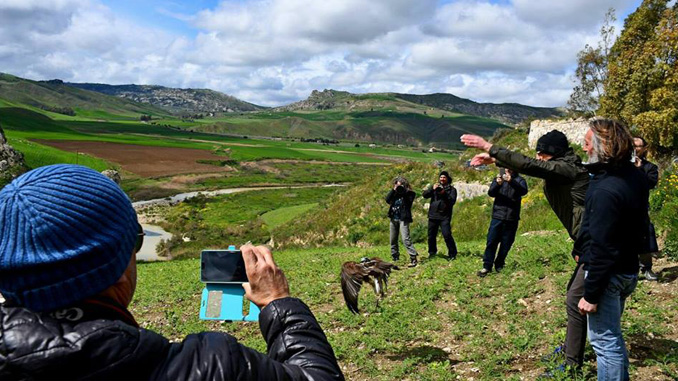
<point x="66" y="233"/>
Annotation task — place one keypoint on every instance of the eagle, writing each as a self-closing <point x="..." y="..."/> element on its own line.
<point x="373" y="271"/>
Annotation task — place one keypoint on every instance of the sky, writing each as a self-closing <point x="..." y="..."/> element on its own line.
<point x="274" y="52"/>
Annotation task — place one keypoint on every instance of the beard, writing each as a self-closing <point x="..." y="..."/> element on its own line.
<point x="593" y="158"/>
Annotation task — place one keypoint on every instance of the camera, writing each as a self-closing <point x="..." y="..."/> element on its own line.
<point x="400" y="189"/>
<point x="222" y="266"/>
<point x="440" y="188"/>
<point x="502" y="172"/>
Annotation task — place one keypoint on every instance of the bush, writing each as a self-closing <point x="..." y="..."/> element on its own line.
<point x="663" y="211"/>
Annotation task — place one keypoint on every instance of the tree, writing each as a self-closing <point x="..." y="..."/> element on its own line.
<point x="591" y="72"/>
<point x="641" y="88"/>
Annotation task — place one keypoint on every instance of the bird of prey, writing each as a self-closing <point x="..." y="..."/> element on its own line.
<point x="373" y="271"/>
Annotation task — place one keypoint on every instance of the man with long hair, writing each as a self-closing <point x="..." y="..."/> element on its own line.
<point x="613" y="232"/>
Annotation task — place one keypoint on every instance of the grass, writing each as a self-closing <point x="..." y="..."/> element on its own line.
<point x="439" y="320"/>
<point x="280" y="216"/>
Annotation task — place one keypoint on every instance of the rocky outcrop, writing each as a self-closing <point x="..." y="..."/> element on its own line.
<point x="11" y="161"/>
<point x="574" y="129"/>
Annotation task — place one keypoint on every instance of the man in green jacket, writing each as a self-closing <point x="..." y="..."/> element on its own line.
<point x="566" y="181"/>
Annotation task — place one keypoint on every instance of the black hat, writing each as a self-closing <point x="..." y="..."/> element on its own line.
<point x="444" y="173"/>
<point x="553" y="143"/>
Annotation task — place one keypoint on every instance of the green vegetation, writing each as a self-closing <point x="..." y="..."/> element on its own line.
<point x="222" y="220"/>
<point x="439" y="321"/>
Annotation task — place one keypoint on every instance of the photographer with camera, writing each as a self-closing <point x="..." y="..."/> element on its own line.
<point x="443" y="197"/>
<point x="508" y="188"/>
<point x="68" y="238"/>
<point x="400" y="200"/>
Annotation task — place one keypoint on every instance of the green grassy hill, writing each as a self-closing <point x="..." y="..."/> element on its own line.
<point x="56" y="97"/>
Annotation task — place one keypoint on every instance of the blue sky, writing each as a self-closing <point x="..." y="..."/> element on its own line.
<point x="273" y="52"/>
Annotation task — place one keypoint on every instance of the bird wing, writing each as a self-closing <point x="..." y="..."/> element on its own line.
<point x="352" y="277"/>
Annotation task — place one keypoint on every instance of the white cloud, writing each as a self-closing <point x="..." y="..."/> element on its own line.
<point x="273" y="52"/>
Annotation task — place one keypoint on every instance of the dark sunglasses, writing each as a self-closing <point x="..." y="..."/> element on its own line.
<point x="140" y="240"/>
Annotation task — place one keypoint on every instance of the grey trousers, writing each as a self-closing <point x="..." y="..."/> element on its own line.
<point x="404" y="228"/>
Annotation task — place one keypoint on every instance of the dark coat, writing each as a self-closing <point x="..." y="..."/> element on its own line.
<point x="42" y="346"/>
<point x="441" y="202"/>
<point x="507" y="198"/>
<point x="565" y="185"/>
<point x="651" y="171"/>
<point x="615" y="225"/>
<point x="406" y="209"/>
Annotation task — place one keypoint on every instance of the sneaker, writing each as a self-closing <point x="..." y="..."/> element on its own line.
<point x="413" y="262"/>
<point x="650" y="275"/>
<point x="498" y="269"/>
<point x="483" y="273"/>
<point x="452" y="257"/>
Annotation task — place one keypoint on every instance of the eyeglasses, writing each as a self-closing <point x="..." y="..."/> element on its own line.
<point x="140" y="240"/>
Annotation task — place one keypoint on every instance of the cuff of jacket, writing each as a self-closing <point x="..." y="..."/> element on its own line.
<point x="272" y="317"/>
<point x="494" y="150"/>
<point x="592" y="296"/>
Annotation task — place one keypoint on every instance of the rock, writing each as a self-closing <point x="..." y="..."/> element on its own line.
<point x="11" y="161"/>
<point x="574" y="129"/>
<point x="113" y="175"/>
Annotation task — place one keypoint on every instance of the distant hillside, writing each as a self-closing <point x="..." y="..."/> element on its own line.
<point x="55" y="96"/>
<point x="177" y="101"/>
<point x="511" y="113"/>
<point x="506" y="112"/>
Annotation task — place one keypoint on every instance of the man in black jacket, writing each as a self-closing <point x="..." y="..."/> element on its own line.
<point x="651" y="172"/>
<point x="67" y="269"/>
<point x="443" y="197"/>
<point x="565" y="184"/>
<point x="613" y="232"/>
<point x="508" y="190"/>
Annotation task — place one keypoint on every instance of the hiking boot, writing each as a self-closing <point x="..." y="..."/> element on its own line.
<point x="395" y="258"/>
<point x="650" y="275"/>
<point x="413" y="261"/>
<point x="483" y="273"/>
<point x="452" y="257"/>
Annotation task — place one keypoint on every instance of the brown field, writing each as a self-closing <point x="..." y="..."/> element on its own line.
<point x="146" y="161"/>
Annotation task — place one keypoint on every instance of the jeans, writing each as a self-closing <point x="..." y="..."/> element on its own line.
<point x="500" y="232"/>
<point x="404" y="228"/>
<point x="445" y="227"/>
<point x="575" y="338"/>
<point x="605" y="328"/>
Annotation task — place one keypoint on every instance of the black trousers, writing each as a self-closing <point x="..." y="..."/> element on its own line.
<point x="444" y="225"/>
<point x="500" y="232"/>
<point x="575" y="339"/>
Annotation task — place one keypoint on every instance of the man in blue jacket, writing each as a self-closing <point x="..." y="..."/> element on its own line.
<point x="508" y="190"/>
<point x="613" y="231"/>
<point x="68" y="236"/>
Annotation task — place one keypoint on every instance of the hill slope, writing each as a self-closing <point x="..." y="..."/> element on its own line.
<point x="55" y="96"/>
<point x="511" y="113"/>
<point x="178" y="101"/>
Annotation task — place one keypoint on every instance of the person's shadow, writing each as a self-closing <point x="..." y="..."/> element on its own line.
<point x="668" y="274"/>
<point x="425" y="353"/>
<point x="645" y="348"/>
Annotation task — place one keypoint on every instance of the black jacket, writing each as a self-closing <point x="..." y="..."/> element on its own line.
<point x="565" y="185"/>
<point x="73" y="344"/>
<point x="507" y="198"/>
<point x="651" y="171"/>
<point x="615" y="225"/>
<point x="406" y="208"/>
<point x="441" y="202"/>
